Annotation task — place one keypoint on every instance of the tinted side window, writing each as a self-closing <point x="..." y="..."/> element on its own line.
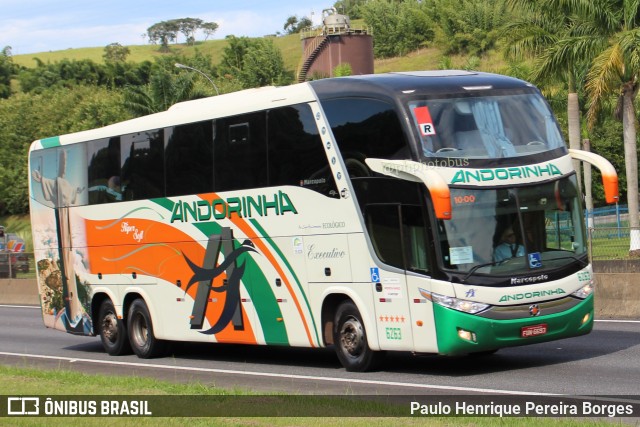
<point x="103" y="158"/>
<point x="142" y="165"/>
<point x="189" y="158"/>
<point x="383" y="224"/>
<point x="365" y="128"/>
<point x="240" y="152"/>
<point x="296" y="154"/>
<point x="59" y="176"/>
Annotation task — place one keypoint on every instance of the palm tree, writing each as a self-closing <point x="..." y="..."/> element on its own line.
<point x="603" y="35"/>
<point x="615" y="71"/>
<point x="542" y="25"/>
<point x="163" y="90"/>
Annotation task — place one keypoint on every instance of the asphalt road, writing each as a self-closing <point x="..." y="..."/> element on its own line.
<point x="606" y="362"/>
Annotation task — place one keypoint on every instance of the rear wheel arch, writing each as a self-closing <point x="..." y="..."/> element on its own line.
<point x="328" y="313"/>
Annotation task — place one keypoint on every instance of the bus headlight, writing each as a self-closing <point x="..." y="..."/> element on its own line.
<point x="584" y="291"/>
<point x="465" y="306"/>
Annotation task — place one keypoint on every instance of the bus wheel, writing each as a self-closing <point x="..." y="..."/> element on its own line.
<point x="113" y="332"/>
<point x="143" y="342"/>
<point x="350" y="339"/>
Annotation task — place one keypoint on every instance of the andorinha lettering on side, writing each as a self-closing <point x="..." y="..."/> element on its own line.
<point x="242" y="207"/>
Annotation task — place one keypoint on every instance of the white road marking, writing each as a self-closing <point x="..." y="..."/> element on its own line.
<point x="275" y="375"/>
<point x="288" y="376"/>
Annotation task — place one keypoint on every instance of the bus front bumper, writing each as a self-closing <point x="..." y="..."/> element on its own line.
<point x="462" y="333"/>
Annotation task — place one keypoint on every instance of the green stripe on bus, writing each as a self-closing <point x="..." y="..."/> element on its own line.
<point x="54" y="141"/>
<point x="260" y="292"/>
<point x="165" y="203"/>
<point x="264" y="300"/>
<point x="291" y="270"/>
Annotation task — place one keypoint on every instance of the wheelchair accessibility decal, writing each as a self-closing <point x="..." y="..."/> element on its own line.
<point x="535" y="260"/>
<point x="375" y="274"/>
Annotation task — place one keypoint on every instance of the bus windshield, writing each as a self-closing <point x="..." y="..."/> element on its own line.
<point x="485" y="127"/>
<point x="506" y="231"/>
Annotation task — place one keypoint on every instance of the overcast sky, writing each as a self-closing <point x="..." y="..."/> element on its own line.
<point x="31" y="26"/>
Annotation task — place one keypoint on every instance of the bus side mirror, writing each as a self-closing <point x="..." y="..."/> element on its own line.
<point x="417" y="172"/>
<point x="608" y="172"/>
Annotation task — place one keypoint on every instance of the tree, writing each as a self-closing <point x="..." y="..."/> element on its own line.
<point x="290" y="25"/>
<point x="603" y="36"/>
<point x="25" y="117"/>
<point x="167" y="31"/>
<point x="254" y="62"/>
<point x="342" y="70"/>
<point x="350" y="8"/>
<point x="123" y="74"/>
<point x="163" y="32"/>
<point x="615" y="71"/>
<point x="6" y="72"/>
<point x="115" y="52"/>
<point x="540" y="30"/>
<point x="65" y="73"/>
<point x="209" y="28"/>
<point x="398" y="27"/>
<point x="188" y="27"/>
<point x="294" y="24"/>
<point x="469" y="26"/>
<point x="164" y="89"/>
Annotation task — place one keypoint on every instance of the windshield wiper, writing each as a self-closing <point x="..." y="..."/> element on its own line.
<point x="582" y="262"/>
<point x="476" y="267"/>
<point x="487" y="264"/>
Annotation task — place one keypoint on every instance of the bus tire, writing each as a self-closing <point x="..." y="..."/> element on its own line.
<point x="484" y="353"/>
<point x="350" y="340"/>
<point x="113" y="332"/>
<point x="143" y="341"/>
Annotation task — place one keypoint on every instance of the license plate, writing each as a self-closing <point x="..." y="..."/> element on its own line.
<point x="533" y="330"/>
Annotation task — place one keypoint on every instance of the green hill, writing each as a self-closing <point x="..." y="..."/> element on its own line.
<point x="289" y="45"/>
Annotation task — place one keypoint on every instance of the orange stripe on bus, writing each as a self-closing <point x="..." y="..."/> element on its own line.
<point x="114" y="251"/>
<point x="244" y="226"/>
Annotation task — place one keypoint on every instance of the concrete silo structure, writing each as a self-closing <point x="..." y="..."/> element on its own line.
<point x="335" y="43"/>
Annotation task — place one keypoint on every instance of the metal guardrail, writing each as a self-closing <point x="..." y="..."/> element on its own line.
<point x="610" y="243"/>
<point x="332" y="31"/>
<point x="608" y="216"/>
<point x="609" y="232"/>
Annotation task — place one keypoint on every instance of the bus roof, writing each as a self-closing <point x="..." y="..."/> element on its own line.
<point x="387" y="85"/>
<point x="193" y="111"/>
<point x="431" y="82"/>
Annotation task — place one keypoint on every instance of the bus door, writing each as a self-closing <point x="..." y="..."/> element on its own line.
<point x="395" y="224"/>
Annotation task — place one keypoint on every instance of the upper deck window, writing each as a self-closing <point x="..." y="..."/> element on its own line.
<point x="490" y="127"/>
<point x="363" y="128"/>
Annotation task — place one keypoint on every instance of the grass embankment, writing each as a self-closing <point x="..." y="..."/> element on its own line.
<point x="290" y="46"/>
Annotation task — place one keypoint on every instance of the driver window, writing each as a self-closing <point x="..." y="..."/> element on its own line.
<point x="398" y="235"/>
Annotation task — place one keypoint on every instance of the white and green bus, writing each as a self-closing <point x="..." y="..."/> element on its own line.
<point x="430" y="212"/>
